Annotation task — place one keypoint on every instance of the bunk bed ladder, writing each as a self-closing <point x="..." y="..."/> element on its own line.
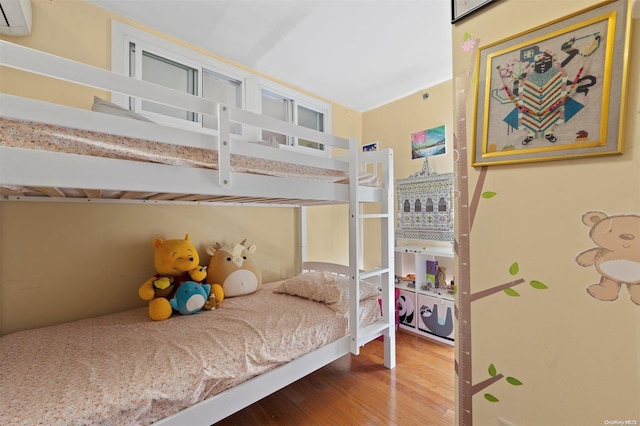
<point x="382" y="275"/>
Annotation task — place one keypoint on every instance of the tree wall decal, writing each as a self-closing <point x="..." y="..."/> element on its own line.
<point x="493" y="378"/>
<point x="465" y="215"/>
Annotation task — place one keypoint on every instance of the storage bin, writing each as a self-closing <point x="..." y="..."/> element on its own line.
<point x="435" y="316"/>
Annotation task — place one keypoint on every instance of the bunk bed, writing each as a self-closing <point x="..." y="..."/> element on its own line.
<point x="222" y="169"/>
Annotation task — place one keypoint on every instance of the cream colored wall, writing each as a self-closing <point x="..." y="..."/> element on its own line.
<point x="63" y="261"/>
<point x="578" y="357"/>
<point x="72" y="29"/>
<point x="393" y="124"/>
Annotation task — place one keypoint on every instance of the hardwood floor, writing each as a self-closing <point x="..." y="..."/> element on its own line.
<point x="359" y="390"/>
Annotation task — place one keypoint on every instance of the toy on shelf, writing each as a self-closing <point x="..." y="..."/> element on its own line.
<point x="441" y="277"/>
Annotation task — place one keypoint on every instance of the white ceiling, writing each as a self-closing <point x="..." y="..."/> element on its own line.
<point x="359" y="53"/>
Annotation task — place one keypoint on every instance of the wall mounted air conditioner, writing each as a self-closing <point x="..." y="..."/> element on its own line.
<point x="15" y="17"/>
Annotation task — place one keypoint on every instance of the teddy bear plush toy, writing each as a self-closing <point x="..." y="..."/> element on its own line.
<point x="177" y="262"/>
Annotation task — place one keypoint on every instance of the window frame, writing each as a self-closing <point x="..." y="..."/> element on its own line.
<point x="136" y="103"/>
<point x="298" y="99"/>
<point x="121" y="37"/>
<point x="252" y="85"/>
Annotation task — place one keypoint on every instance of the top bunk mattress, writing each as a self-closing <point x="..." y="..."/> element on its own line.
<point x="47" y="137"/>
<point x="126" y="369"/>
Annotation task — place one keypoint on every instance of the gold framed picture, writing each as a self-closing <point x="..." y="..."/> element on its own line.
<point x="554" y="92"/>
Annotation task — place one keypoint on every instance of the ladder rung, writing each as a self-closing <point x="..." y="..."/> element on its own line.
<point x="365" y="334"/>
<point x="373" y="273"/>
<point x="374" y="216"/>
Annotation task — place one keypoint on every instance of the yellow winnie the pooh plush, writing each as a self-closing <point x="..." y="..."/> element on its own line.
<point x="176" y="262"/>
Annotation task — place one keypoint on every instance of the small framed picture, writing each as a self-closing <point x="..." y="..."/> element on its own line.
<point x="372" y="146"/>
<point x="427" y="143"/>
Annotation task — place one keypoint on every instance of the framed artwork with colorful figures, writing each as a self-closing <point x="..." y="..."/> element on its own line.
<point x="555" y="92"/>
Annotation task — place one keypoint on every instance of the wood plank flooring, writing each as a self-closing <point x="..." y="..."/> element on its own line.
<point x="359" y="390"/>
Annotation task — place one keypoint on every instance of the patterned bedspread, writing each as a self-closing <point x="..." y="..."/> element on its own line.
<point x="125" y="369"/>
<point x="39" y="136"/>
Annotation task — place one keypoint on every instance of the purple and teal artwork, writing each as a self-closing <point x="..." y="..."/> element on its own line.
<point x="428" y="143"/>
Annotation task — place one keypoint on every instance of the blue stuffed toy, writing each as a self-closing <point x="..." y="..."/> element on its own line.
<point x="190" y="297"/>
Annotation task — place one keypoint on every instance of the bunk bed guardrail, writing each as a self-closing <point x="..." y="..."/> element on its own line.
<point x="223" y="142"/>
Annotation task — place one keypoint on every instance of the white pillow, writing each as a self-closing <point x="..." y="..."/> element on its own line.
<point x="101" y="105"/>
<point x="326" y="288"/>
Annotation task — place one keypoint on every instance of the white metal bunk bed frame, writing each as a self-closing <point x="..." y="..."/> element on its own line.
<point x="41" y="169"/>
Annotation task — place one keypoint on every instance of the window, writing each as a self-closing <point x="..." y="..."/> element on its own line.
<point x="287" y="109"/>
<point x="279" y="107"/>
<point x="193" y="79"/>
<point x="158" y="61"/>
<point x="164" y="72"/>
<point x="220" y="88"/>
<point x="150" y="58"/>
<point x="312" y="120"/>
<point x="286" y="105"/>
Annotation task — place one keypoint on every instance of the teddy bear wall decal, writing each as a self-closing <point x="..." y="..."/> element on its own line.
<point x="616" y="256"/>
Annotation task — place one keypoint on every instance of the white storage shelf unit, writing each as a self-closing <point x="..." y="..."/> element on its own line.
<point x="424" y="232"/>
<point x="428" y="312"/>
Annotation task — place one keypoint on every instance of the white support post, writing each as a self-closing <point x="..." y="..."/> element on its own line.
<point x="303" y="236"/>
<point x="224" y="149"/>
<point x="354" y="246"/>
<point x="388" y="254"/>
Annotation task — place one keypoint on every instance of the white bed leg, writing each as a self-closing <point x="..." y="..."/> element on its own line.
<point x="390" y="348"/>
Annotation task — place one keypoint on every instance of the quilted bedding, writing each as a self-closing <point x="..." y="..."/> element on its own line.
<point x="126" y="369"/>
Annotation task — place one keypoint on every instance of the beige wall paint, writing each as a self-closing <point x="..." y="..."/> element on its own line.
<point x="393" y="124"/>
<point x="578" y="357"/>
<point x="71" y="29"/>
<point x="63" y="261"/>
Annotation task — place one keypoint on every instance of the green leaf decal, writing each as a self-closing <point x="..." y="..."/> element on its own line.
<point x="492" y="370"/>
<point x="511" y="292"/>
<point x="513" y="269"/>
<point x="490" y="397"/>
<point x="538" y="285"/>
<point x="488" y="194"/>
<point x="514" y="381"/>
<point x="466" y="36"/>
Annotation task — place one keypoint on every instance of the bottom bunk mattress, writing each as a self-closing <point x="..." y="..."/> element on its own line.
<point x="126" y="369"/>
